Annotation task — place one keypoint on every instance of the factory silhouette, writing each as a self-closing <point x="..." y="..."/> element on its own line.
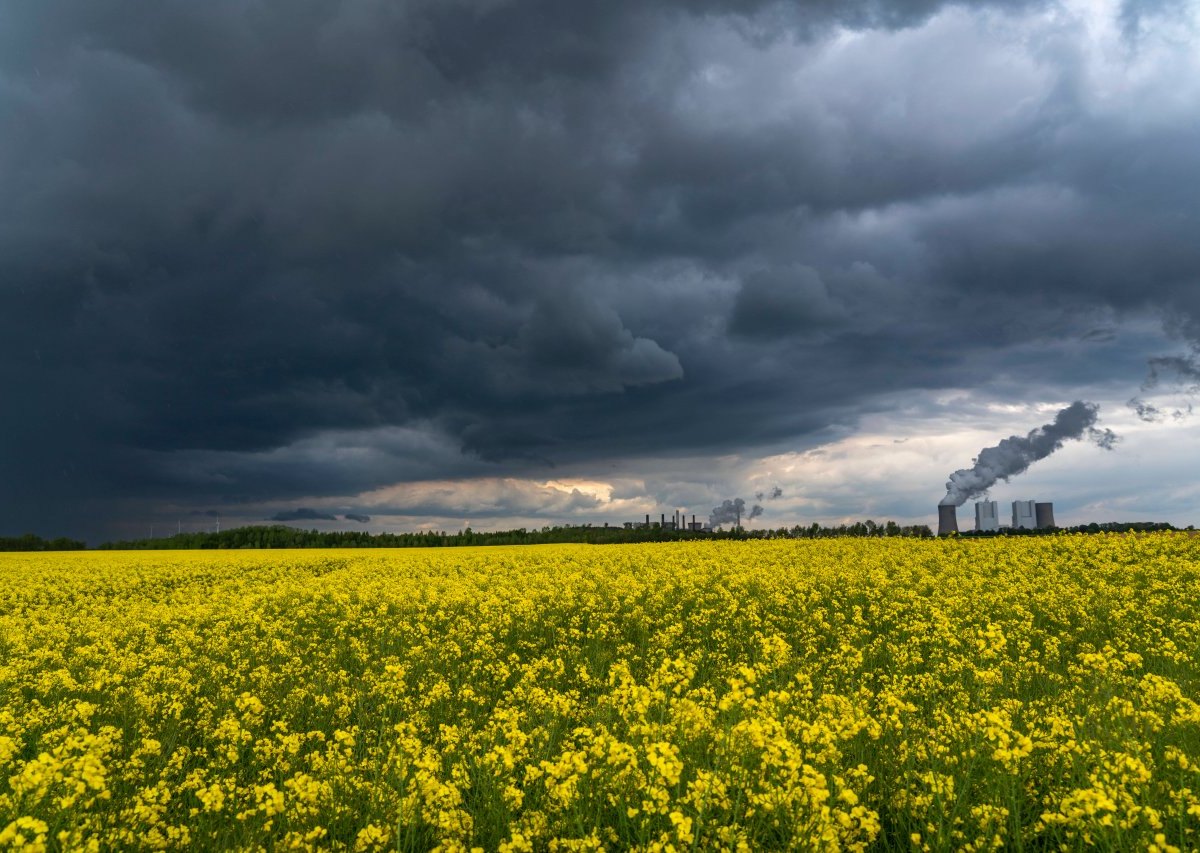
<point x="1026" y="515"/>
<point x="678" y="521"/>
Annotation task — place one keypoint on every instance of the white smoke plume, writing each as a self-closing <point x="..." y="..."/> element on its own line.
<point x="1145" y="412"/>
<point x="1182" y="373"/>
<point x="729" y="512"/>
<point x="1015" y="454"/>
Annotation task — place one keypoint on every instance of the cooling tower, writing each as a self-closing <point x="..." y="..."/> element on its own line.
<point x="1044" y="512"/>
<point x="947" y="519"/>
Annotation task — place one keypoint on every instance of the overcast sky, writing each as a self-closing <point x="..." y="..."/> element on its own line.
<point x="517" y="262"/>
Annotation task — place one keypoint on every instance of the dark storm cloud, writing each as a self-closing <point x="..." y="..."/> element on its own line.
<point x="269" y="251"/>
<point x="356" y="516"/>
<point x="784" y="303"/>
<point x="1185" y="369"/>
<point x="302" y="514"/>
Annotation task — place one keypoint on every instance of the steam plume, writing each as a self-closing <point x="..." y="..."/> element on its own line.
<point x="775" y="493"/>
<point x="730" y="511"/>
<point x="1186" y="372"/>
<point x="1145" y="411"/>
<point x="1015" y="454"/>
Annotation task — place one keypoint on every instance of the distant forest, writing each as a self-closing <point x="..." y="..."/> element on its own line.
<point x="29" y="542"/>
<point x="282" y="536"/>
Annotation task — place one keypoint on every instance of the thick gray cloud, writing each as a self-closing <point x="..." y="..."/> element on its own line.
<point x="268" y="252"/>
<point x="302" y="514"/>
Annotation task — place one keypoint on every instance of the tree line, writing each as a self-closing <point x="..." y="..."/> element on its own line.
<point x="1093" y="527"/>
<point x="29" y="542"/>
<point x="283" y="536"/>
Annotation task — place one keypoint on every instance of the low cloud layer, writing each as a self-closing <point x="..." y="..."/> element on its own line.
<point x="302" y="514"/>
<point x="283" y="255"/>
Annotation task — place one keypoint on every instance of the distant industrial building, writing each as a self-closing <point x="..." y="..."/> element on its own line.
<point x="987" y="516"/>
<point x="1033" y="515"/>
<point x="1023" y="515"/>
<point x="677" y="521"/>
<point x="1026" y="515"/>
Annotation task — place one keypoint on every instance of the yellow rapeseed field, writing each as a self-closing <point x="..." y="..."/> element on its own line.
<point x="824" y="695"/>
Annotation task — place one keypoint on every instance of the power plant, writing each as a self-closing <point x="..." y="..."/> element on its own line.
<point x="1026" y="515"/>
<point x="677" y="521"/>
<point x="986" y="517"/>
<point x="1012" y="456"/>
<point x="1023" y="517"/>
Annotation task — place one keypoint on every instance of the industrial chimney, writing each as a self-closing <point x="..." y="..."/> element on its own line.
<point x="1044" y="513"/>
<point x="947" y="519"/>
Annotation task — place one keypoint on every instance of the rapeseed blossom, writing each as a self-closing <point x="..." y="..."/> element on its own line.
<point x="809" y="695"/>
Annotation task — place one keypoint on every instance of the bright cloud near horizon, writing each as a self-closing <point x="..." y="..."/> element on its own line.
<point x="414" y="265"/>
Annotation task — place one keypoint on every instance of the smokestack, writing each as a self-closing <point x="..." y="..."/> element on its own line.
<point x="647" y="520"/>
<point x="662" y="520"/>
<point x="1044" y="513"/>
<point x="947" y="519"/>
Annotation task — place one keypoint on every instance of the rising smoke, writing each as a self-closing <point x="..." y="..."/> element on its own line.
<point x="1015" y="454"/>
<point x="1145" y="412"/>
<point x="1181" y="371"/>
<point x="731" y="512"/>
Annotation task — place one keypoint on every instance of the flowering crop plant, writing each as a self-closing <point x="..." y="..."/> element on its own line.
<point x="811" y="695"/>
